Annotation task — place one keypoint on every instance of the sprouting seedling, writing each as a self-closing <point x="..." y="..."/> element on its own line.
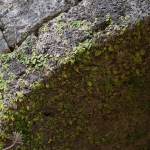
<point x="25" y="34"/>
<point x="16" y="139"/>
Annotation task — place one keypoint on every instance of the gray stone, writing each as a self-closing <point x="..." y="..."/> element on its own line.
<point x="3" y="45"/>
<point x="31" y="15"/>
<point x="1" y="25"/>
<point x="19" y="17"/>
<point x="50" y="42"/>
<point x="23" y="17"/>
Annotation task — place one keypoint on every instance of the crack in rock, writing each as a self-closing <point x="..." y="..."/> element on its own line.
<point x="4" y="48"/>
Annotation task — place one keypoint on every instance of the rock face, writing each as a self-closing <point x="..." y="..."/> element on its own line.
<point x="56" y="35"/>
<point x="20" y="18"/>
<point x="46" y="34"/>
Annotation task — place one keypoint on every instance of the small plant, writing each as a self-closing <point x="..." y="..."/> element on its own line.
<point x="78" y="24"/>
<point x="16" y="139"/>
<point x="59" y="23"/>
<point x="25" y="34"/>
<point x="45" y="28"/>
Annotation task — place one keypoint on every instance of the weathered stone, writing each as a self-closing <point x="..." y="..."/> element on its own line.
<point x="1" y="26"/>
<point x="54" y="40"/>
<point x="50" y="41"/>
<point x="21" y="18"/>
<point x="3" y="45"/>
<point x="31" y="15"/>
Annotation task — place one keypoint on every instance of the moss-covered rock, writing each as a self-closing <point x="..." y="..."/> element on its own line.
<point x="93" y="94"/>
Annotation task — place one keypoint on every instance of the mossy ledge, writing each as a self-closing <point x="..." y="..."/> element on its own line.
<point x="98" y="96"/>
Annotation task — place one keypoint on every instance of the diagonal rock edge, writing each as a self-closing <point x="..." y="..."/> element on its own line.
<point x="52" y="26"/>
<point x="98" y="37"/>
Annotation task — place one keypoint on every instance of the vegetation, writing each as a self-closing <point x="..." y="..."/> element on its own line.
<point x="99" y="98"/>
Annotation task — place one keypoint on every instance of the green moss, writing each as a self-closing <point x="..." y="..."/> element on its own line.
<point x="97" y="98"/>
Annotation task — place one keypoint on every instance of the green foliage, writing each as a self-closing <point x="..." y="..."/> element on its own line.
<point x="59" y="23"/>
<point x="94" y="100"/>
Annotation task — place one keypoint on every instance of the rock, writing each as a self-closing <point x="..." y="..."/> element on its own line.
<point x="3" y="44"/>
<point x="1" y="26"/>
<point x="68" y="33"/>
<point x="23" y="17"/>
<point x="59" y="35"/>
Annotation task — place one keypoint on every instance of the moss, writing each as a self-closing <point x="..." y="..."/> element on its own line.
<point x="98" y="98"/>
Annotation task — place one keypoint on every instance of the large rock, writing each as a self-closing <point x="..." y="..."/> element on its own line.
<point x="59" y="36"/>
<point x="87" y="20"/>
<point x="23" y="17"/>
<point x="54" y="39"/>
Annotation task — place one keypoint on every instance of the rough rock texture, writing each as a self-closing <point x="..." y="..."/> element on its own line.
<point x="3" y="44"/>
<point x="22" y="25"/>
<point x="50" y="41"/>
<point x="20" y="18"/>
<point x="57" y="39"/>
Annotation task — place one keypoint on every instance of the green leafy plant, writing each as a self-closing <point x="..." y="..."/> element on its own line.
<point x="59" y="23"/>
<point x="98" y="84"/>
